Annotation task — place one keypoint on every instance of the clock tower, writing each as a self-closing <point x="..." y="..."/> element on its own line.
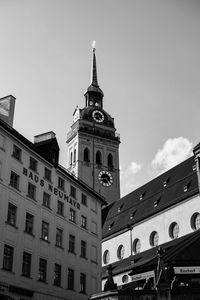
<point x="93" y="144"/>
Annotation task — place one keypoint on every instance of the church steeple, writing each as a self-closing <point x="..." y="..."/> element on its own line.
<point x="94" y="95"/>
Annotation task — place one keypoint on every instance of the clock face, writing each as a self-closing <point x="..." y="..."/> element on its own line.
<point x="98" y="116"/>
<point x="105" y="178"/>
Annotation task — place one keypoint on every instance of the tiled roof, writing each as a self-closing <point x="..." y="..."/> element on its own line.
<point x="181" y="251"/>
<point x="168" y="189"/>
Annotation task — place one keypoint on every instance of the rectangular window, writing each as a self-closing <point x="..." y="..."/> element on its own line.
<point x="84" y="199"/>
<point x="83" y="222"/>
<point x="8" y="258"/>
<point x="26" y="265"/>
<point x="72" y="191"/>
<point x="42" y="270"/>
<point x="71" y="243"/>
<point x="60" y="208"/>
<point x="31" y="191"/>
<point x="94" y="254"/>
<point x="14" y="180"/>
<point x="45" y="231"/>
<point x="33" y="164"/>
<point x="46" y="200"/>
<point x="70" y="279"/>
<point x="72" y="216"/>
<point x="29" y="223"/>
<point x="17" y="152"/>
<point x="94" y="205"/>
<point x="83" y="249"/>
<point x="12" y="214"/>
<point x="2" y="141"/>
<point x="47" y="174"/>
<point x="57" y="275"/>
<point x="94" y="227"/>
<point x="59" y="237"/>
<point x="83" y="283"/>
<point x="61" y="183"/>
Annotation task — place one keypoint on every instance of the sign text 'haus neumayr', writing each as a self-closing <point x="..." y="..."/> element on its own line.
<point x="51" y="188"/>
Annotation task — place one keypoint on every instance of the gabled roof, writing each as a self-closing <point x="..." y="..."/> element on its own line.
<point x="183" y="251"/>
<point x="168" y="189"/>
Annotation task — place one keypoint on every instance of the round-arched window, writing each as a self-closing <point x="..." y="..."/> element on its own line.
<point x="154" y="237"/>
<point x="125" y="278"/>
<point x="86" y="155"/>
<point x="174" y="230"/>
<point x="106" y="257"/>
<point x="120" y="252"/>
<point x="136" y="246"/>
<point x="110" y="160"/>
<point x="98" y="158"/>
<point x="195" y="221"/>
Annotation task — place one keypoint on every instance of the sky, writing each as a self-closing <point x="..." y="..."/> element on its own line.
<point x="148" y="61"/>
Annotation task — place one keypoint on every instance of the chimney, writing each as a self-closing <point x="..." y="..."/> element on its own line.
<point x="7" y="108"/>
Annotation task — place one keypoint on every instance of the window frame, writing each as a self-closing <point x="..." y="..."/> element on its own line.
<point x="47" y="174"/>
<point x="26" y="264"/>
<point x="57" y="275"/>
<point x="17" y="153"/>
<point x="14" y="180"/>
<point x="8" y="255"/>
<point x="46" y="201"/>
<point x="31" y="191"/>
<point x="29" y="223"/>
<point x="45" y="231"/>
<point x="12" y="214"/>
<point x="59" y="237"/>
<point x="72" y="240"/>
<point x="33" y="164"/>
<point x="42" y="270"/>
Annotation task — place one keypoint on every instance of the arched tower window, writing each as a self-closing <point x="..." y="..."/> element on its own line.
<point x="71" y="158"/>
<point x="74" y="155"/>
<point x="110" y="160"/>
<point x="86" y="155"/>
<point x="98" y="158"/>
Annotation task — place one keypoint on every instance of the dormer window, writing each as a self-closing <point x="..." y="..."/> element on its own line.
<point x="194" y="167"/>
<point x="111" y="225"/>
<point x="132" y="214"/>
<point x="142" y="195"/>
<point x="156" y="202"/>
<point x="165" y="182"/>
<point x="120" y="207"/>
<point x="186" y="187"/>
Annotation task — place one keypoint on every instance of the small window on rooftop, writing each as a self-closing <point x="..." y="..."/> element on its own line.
<point x="142" y="195"/>
<point x="156" y="202"/>
<point x="120" y="207"/>
<point x="132" y="214"/>
<point x="194" y="167"/>
<point x="186" y="187"/>
<point x="111" y="225"/>
<point x="165" y="182"/>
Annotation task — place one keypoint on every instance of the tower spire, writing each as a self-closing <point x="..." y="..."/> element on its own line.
<point x="94" y="95"/>
<point x="94" y="80"/>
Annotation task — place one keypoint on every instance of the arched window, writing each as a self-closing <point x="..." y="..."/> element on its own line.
<point x="120" y="252"/>
<point x="71" y="157"/>
<point x="110" y="160"/>
<point x="106" y="257"/>
<point x="86" y="155"/>
<point x="195" y="221"/>
<point x="74" y="155"/>
<point x="174" y="230"/>
<point x="98" y="158"/>
<point x="154" y="237"/>
<point x="136" y="246"/>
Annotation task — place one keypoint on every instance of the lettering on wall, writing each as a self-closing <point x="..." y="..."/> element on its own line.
<point x="54" y="190"/>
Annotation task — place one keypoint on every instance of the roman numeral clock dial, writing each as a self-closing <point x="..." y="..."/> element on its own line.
<point x="105" y="178"/>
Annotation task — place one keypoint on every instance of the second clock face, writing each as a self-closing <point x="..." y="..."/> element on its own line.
<point x="98" y="116"/>
<point x="105" y="178"/>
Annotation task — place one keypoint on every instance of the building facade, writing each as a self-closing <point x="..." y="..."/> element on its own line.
<point x="50" y="222"/>
<point x="159" y="215"/>
<point x="93" y="144"/>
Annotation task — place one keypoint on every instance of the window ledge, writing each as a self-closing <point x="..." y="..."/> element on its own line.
<point x="46" y="241"/>
<point x="7" y="271"/>
<point x="74" y="253"/>
<point x="94" y="262"/>
<point x="28" y="196"/>
<point x="15" y="188"/>
<point x="45" y="282"/>
<point x="48" y="180"/>
<point x="35" y="171"/>
<point x="11" y="224"/>
<point x="29" y="277"/>
<point x="19" y="160"/>
<point x="31" y="234"/>
<point x="47" y="207"/>
<point x="60" y="247"/>
<point x="84" y="257"/>
<point x="62" y="216"/>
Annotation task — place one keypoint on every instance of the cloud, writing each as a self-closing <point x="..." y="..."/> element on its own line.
<point x="172" y="153"/>
<point x="128" y="177"/>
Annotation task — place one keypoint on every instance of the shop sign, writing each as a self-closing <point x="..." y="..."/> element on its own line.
<point x="187" y="270"/>
<point x="143" y="276"/>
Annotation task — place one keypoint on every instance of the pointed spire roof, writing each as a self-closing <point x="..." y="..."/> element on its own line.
<point x="94" y="86"/>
